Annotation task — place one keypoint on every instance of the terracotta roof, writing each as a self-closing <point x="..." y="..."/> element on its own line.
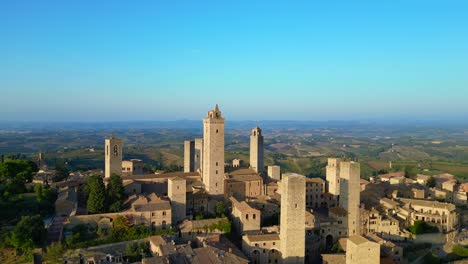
<point x="392" y="174"/>
<point x="315" y="180"/>
<point x="262" y="237"/>
<point x="427" y="203"/>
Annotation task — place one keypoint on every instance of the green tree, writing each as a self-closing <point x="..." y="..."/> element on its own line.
<point x="410" y="172"/>
<point x="55" y="253"/>
<point x="38" y="190"/>
<point x="62" y="171"/>
<point x="220" y="209"/>
<point x="28" y="232"/>
<point x="431" y="182"/>
<point x="115" y="193"/>
<point x="14" y="174"/>
<point x="421" y="227"/>
<point x="96" y="194"/>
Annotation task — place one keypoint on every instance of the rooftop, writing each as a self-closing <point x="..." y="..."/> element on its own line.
<point x="357" y="240"/>
<point x="262" y="237"/>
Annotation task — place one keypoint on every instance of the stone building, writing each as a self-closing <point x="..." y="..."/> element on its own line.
<point x="443" y="215"/>
<point x="213" y="152"/>
<point x="243" y="183"/>
<point x="360" y="250"/>
<point x="132" y="167"/>
<point x="274" y="172"/>
<point x="267" y="206"/>
<point x="245" y="217"/>
<point x="113" y="156"/>
<point x="153" y="211"/>
<point x="256" y="150"/>
<point x="333" y="176"/>
<point x="177" y="193"/>
<point x="383" y="223"/>
<point x="191" y="229"/>
<point x="67" y="201"/>
<point x="315" y="190"/>
<point x="292" y="218"/>
<point x="189" y="156"/>
<point x="262" y="248"/>
<point x="350" y="194"/>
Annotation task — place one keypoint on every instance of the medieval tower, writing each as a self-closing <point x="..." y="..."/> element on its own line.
<point x="350" y="194"/>
<point x="176" y="191"/>
<point x="292" y="219"/>
<point x="189" y="156"/>
<point x="256" y="150"/>
<point x="213" y="152"/>
<point x="113" y="156"/>
<point x="198" y="158"/>
<point x="333" y="176"/>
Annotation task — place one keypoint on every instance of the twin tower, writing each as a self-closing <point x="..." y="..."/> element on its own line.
<point x="207" y="155"/>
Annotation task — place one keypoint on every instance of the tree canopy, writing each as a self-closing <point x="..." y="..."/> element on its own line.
<point x="96" y="195"/>
<point x="27" y="233"/>
<point x="115" y="193"/>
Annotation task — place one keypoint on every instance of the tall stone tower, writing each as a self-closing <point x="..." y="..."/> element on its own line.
<point x="333" y="176"/>
<point x="292" y="219"/>
<point x="256" y="150"/>
<point x="351" y="194"/>
<point x="189" y="156"/>
<point x="177" y="191"/>
<point x="213" y="152"/>
<point x="198" y="164"/>
<point x="113" y="156"/>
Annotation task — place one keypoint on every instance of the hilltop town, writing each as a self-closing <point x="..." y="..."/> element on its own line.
<point x="216" y="210"/>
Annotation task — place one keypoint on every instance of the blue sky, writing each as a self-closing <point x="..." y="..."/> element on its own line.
<point x="296" y="60"/>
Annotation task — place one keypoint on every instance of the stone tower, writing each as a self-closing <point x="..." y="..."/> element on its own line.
<point x="177" y="191"/>
<point x="113" y="156"/>
<point x="292" y="219"/>
<point x="333" y="176"/>
<point x="256" y="150"/>
<point x="213" y="152"/>
<point x="198" y="164"/>
<point x="351" y="194"/>
<point x="189" y="156"/>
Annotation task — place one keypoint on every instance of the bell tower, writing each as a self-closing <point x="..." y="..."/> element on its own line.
<point x="113" y="156"/>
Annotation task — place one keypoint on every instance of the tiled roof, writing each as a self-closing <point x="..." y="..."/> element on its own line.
<point x="263" y="237"/>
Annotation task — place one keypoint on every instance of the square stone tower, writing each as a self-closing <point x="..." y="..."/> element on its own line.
<point x="189" y="156"/>
<point x="256" y="150"/>
<point x="360" y="250"/>
<point x="198" y="164"/>
<point x="292" y="219"/>
<point x="177" y="191"/>
<point x="213" y="152"/>
<point x="350" y="194"/>
<point x="274" y="172"/>
<point x="113" y="156"/>
<point x="333" y="176"/>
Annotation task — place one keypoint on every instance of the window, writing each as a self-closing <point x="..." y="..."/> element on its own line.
<point x="152" y="214"/>
<point x="247" y="216"/>
<point x="216" y="163"/>
<point x="253" y="216"/>
<point x="164" y="212"/>
<point x="216" y="130"/>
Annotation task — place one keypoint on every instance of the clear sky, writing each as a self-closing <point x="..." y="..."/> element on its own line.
<point x="260" y="60"/>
